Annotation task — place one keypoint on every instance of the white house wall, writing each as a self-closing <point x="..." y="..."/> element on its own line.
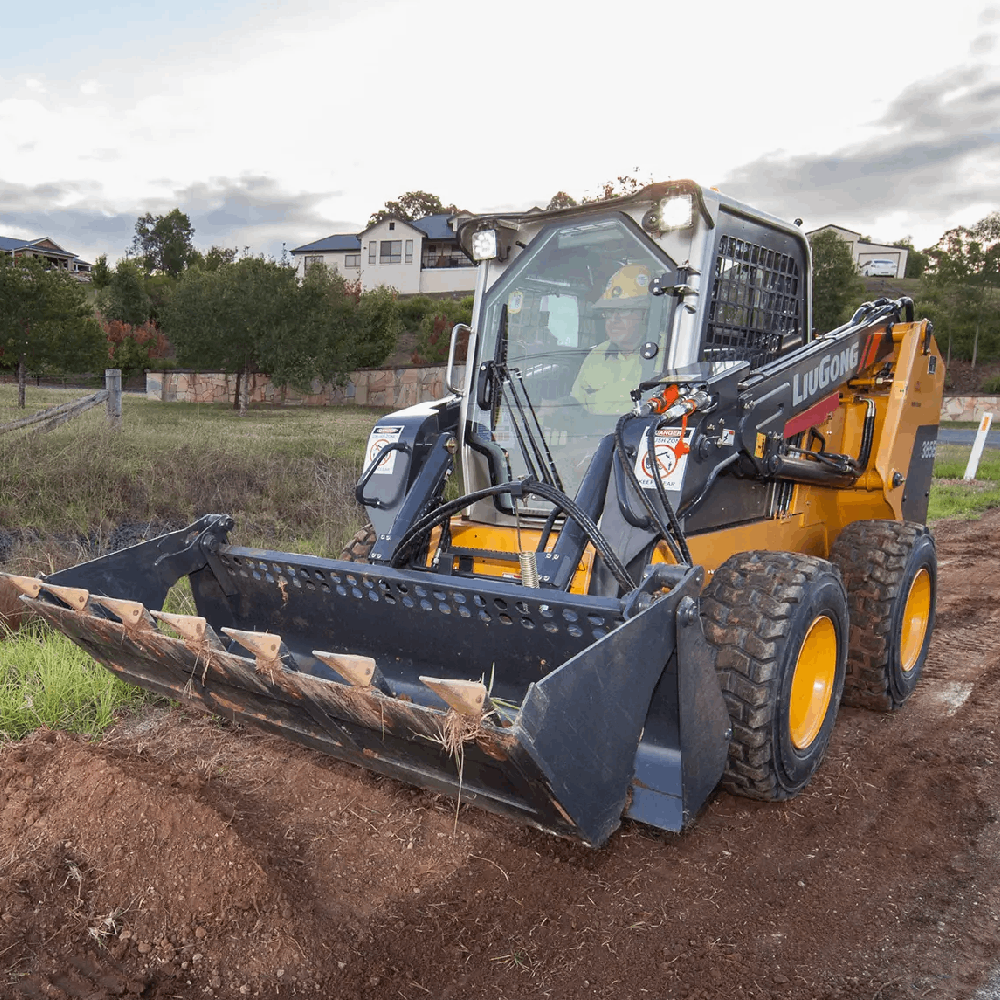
<point x="436" y="280"/>
<point x="405" y="278"/>
<point x="862" y="252"/>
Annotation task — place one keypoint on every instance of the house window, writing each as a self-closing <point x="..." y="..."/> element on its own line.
<point x="352" y="260"/>
<point x="391" y="252"/>
<point x="372" y="250"/>
<point x="392" y="226"/>
<point x="312" y="262"/>
<point x="409" y="252"/>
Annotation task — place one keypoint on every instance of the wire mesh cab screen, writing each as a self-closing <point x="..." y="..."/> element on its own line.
<point x="757" y="306"/>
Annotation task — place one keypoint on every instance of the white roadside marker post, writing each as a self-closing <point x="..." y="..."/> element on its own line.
<point x="977" y="447"/>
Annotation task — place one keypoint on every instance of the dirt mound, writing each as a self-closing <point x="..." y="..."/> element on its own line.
<point x="182" y="858"/>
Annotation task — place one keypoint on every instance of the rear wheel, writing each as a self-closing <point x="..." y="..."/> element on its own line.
<point x="359" y="548"/>
<point x="779" y="621"/>
<point x="890" y="571"/>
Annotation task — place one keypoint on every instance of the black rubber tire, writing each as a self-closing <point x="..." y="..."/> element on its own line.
<point x="758" y="611"/>
<point x="360" y="546"/>
<point x="879" y="562"/>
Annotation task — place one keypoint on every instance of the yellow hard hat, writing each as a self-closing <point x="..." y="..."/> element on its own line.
<point x="627" y="288"/>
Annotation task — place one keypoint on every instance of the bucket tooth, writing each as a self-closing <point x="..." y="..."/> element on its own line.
<point x="131" y="613"/>
<point x="357" y="670"/>
<point x="27" y="585"/>
<point x="465" y="697"/>
<point x="264" y="645"/>
<point x="190" y="627"/>
<point x="73" y="596"/>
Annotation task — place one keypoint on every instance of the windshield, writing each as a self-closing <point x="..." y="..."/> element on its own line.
<point x="582" y="331"/>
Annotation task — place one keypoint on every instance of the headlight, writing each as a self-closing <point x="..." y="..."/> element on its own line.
<point x="676" y="212"/>
<point x="484" y="244"/>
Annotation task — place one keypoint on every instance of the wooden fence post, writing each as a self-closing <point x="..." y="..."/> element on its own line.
<point x="113" y="383"/>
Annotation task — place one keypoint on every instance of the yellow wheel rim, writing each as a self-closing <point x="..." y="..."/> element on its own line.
<point x="812" y="682"/>
<point x="916" y="617"/>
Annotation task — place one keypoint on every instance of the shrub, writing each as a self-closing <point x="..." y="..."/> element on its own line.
<point x="131" y="348"/>
<point x="435" y="331"/>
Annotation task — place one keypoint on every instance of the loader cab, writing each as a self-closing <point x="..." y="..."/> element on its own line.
<point x="733" y="287"/>
<point x="575" y="324"/>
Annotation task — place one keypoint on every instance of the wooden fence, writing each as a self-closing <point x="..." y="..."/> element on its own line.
<point x="56" y="415"/>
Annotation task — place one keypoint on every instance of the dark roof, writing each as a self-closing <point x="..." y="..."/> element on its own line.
<point x="436" y="227"/>
<point x="346" y="241"/>
<point x="11" y="243"/>
<point x="833" y="225"/>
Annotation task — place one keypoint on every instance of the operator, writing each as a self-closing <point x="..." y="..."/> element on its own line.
<point x="614" y="367"/>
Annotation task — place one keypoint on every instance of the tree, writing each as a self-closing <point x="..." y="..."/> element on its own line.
<point x="356" y="329"/>
<point x="164" y="243"/>
<point x="218" y="257"/>
<point x="561" y="200"/>
<point x="100" y="273"/>
<point x="836" y="285"/>
<point x="619" y="188"/>
<point x="916" y="260"/>
<point x="411" y="206"/>
<point x="960" y="288"/>
<point x="240" y="318"/>
<point x="45" y="321"/>
<point x="125" y="299"/>
<point x="253" y="316"/>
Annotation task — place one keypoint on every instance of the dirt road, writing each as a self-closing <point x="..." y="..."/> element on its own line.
<point x="182" y="858"/>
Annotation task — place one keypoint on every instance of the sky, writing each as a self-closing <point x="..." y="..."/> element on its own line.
<point x="273" y="124"/>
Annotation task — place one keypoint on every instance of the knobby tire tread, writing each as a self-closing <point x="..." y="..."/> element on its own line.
<point x="872" y="558"/>
<point x="746" y="610"/>
<point x="359" y="548"/>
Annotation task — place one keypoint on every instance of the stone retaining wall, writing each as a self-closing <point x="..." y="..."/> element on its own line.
<point x="969" y="407"/>
<point x="395" y="388"/>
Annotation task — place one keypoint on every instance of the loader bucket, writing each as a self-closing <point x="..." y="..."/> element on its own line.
<point x="380" y="667"/>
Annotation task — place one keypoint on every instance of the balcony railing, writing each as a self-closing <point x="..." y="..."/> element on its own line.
<point x="454" y="258"/>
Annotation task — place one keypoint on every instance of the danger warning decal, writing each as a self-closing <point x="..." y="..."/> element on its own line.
<point x="377" y="440"/>
<point x="671" y="465"/>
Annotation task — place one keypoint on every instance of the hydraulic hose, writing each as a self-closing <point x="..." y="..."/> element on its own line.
<point x="517" y="489"/>
<point x="676" y="544"/>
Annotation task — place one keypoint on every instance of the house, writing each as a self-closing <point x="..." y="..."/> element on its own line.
<point x="871" y="259"/>
<point x="49" y="251"/>
<point x="415" y="258"/>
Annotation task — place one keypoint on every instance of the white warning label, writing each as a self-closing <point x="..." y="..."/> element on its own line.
<point x="377" y="440"/>
<point x="670" y="464"/>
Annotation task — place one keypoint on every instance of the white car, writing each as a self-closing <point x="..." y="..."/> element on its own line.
<point x="878" y="269"/>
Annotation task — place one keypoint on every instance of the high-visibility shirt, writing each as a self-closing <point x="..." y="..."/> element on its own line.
<point x="606" y="378"/>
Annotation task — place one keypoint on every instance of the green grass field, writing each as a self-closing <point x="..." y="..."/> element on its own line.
<point x="286" y="475"/>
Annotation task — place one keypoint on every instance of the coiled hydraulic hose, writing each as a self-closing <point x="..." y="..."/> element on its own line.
<point x="517" y="489"/>
<point x="673" y="534"/>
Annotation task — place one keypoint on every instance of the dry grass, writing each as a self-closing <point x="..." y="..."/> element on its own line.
<point x="286" y="475"/>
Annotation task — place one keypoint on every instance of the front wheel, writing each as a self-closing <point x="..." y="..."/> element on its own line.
<point x="779" y="622"/>
<point x="359" y="548"/>
<point x="890" y="571"/>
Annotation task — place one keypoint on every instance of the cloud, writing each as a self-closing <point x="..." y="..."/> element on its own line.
<point x="250" y="211"/>
<point x="934" y="149"/>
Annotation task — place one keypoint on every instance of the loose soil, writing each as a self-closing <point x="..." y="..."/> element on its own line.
<point x="182" y="858"/>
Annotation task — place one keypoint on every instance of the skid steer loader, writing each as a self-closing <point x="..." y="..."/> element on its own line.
<point x="689" y="527"/>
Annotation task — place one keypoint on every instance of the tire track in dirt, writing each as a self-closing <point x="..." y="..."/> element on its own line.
<point x="183" y="858"/>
